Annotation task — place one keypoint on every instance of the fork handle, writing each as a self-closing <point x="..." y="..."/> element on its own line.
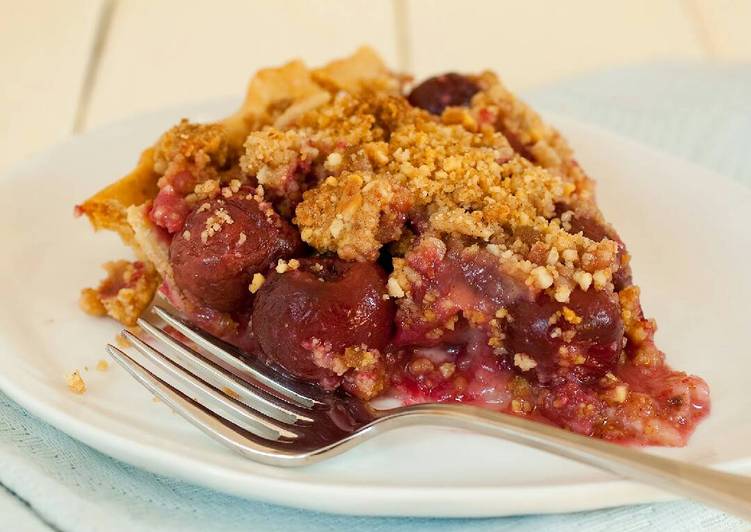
<point x="726" y="491"/>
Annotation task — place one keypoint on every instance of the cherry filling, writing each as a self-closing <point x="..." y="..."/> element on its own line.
<point x="584" y="336"/>
<point x="470" y="331"/>
<point x="223" y="243"/>
<point x="437" y="93"/>
<point x="319" y="310"/>
<point x="169" y="209"/>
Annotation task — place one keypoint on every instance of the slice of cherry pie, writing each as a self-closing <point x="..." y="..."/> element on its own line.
<point x="439" y="246"/>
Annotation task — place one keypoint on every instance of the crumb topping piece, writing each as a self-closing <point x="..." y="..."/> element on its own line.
<point x="214" y="224"/>
<point x="256" y="283"/>
<point x="124" y="294"/>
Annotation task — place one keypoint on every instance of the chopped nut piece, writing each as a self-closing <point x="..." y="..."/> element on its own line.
<point x="570" y="255"/>
<point x="333" y="161"/>
<point x="281" y="266"/>
<point x="601" y="278"/>
<point x="447" y="369"/>
<point x="524" y="362"/>
<point x="562" y="293"/>
<point x="584" y="279"/>
<point x="394" y="288"/>
<point x="421" y="366"/>
<point x="256" y="283"/>
<point x="541" y="278"/>
<point x="617" y="394"/>
<point x="553" y="256"/>
<point x="571" y="316"/>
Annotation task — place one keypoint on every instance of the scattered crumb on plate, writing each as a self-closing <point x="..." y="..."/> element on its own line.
<point x="122" y="341"/>
<point x="75" y="383"/>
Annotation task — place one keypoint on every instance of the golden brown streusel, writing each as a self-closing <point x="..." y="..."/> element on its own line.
<point x="528" y="133"/>
<point x="376" y="158"/>
<point x="194" y="147"/>
<point x="124" y="294"/>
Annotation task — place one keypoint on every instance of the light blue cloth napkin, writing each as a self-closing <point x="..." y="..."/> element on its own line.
<point x="701" y="113"/>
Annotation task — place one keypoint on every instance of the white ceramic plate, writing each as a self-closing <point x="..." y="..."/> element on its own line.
<point x="685" y="227"/>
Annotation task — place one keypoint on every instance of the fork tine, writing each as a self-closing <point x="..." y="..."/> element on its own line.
<point x="222" y="380"/>
<point x="217" y="402"/>
<point x="250" y="445"/>
<point x="300" y="393"/>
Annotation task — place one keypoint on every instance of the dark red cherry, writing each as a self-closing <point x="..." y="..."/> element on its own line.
<point x="601" y="317"/>
<point x="529" y="330"/>
<point x="216" y="266"/>
<point x="324" y="306"/>
<point x="436" y="93"/>
<point x="598" y="336"/>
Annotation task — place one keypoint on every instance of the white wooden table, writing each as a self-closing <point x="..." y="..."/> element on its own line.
<point x="72" y="65"/>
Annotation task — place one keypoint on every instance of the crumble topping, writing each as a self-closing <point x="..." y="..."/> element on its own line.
<point x="377" y="158"/>
<point x="124" y="294"/>
<point x="528" y="133"/>
<point x="353" y="215"/>
<point x="198" y="148"/>
<point x="362" y="368"/>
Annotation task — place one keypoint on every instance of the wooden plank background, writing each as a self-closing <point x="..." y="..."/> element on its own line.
<point x="70" y="66"/>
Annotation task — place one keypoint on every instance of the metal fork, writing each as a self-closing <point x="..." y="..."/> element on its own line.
<point x="267" y="416"/>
